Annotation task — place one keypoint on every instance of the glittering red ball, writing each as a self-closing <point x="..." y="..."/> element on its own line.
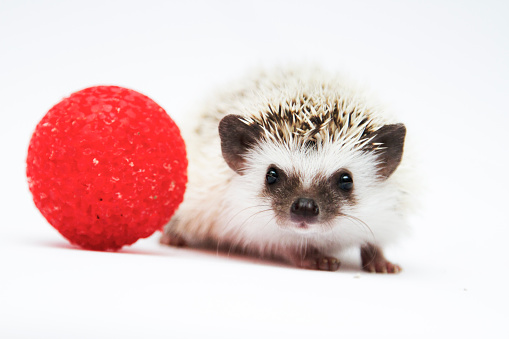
<point x="106" y="167"/>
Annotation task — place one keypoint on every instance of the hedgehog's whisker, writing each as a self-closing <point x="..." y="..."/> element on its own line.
<point x="243" y="210"/>
<point x="230" y="221"/>
<point x="329" y="225"/>
<point x="360" y="222"/>
<point x="304" y="252"/>
<point x="253" y="215"/>
<point x="236" y="243"/>
<point x="271" y="219"/>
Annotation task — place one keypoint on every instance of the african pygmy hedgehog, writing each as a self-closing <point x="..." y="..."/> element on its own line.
<point x="296" y="165"/>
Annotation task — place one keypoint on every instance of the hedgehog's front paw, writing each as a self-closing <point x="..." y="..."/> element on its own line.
<point x="374" y="261"/>
<point x="314" y="260"/>
<point x="378" y="266"/>
<point x="321" y="263"/>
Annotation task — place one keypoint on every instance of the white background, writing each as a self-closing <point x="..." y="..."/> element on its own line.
<point x="441" y="65"/>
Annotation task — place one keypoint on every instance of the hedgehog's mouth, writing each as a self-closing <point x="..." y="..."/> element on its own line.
<point x="304" y="227"/>
<point x="303" y="220"/>
<point x="300" y="224"/>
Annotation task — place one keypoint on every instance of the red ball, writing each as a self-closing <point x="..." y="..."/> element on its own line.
<point x="106" y="167"/>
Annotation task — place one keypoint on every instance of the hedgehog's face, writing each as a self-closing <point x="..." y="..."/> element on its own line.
<point x="310" y="189"/>
<point x="303" y="204"/>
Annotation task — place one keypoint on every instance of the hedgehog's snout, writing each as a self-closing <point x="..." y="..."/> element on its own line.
<point x="304" y="210"/>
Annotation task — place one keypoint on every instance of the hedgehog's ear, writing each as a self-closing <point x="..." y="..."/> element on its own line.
<point x="388" y="143"/>
<point x="236" y="139"/>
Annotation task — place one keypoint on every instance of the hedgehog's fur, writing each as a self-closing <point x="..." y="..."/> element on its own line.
<point x="313" y="124"/>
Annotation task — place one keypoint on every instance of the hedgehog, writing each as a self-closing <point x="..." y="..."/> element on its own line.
<point x="296" y="165"/>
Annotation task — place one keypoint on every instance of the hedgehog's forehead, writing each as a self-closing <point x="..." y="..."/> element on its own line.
<point x="308" y="120"/>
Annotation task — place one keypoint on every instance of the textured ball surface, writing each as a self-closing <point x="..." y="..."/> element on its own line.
<point x="106" y="167"/>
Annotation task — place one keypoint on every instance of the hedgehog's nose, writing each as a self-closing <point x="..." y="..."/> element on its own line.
<point x="304" y="209"/>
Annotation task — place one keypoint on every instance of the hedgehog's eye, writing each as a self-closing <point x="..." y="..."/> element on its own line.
<point x="345" y="182"/>
<point x="272" y="176"/>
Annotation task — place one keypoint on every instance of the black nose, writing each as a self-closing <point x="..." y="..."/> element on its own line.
<point x="304" y="208"/>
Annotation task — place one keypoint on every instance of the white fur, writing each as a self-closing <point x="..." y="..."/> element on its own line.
<point x="225" y="208"/>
